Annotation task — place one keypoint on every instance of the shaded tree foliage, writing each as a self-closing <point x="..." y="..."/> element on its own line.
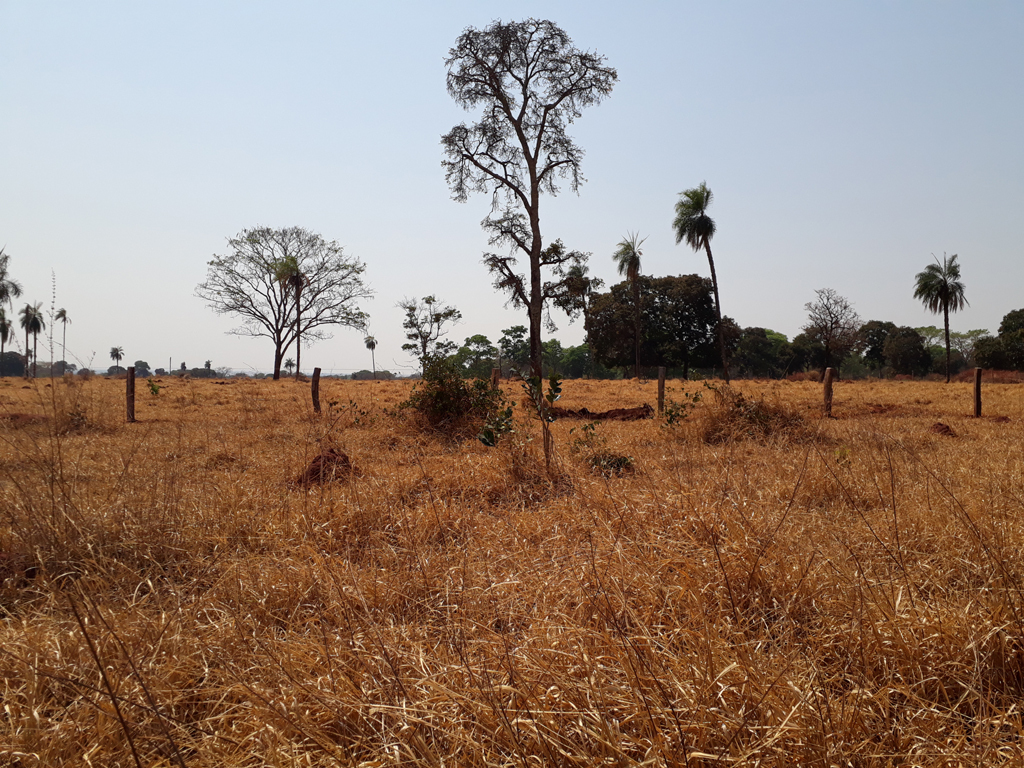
<point x="761" y="353"/>
<point x="678" y="323"/>
<point x="530" y="82"/>
<point x="252" y="281"/>
<point x="905" y="353"/>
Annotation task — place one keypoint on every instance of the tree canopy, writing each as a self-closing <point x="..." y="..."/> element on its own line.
<point x="530" y="82"/>
<point x="253" y="281"/>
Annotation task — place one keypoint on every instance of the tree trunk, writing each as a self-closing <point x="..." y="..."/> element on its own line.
<point x="26" y="353"/>
<point x="278" y="355"/>
<point x="636" y="325"/>
<point x="373" y="364"/>
<point x="64" y="347"/>
<point x="298" y="332"/>
<point x="945" y="317"/>
<point x="35" y="355"/>
<point x="718" y="311"/>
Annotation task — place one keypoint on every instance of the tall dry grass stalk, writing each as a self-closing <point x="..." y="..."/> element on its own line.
<point x="825" y="592"/>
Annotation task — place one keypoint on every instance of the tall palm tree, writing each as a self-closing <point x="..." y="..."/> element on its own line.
<point x="939" y="287"/>
<point x="9" y="289"/>
<point x="116" y="353"/>
<point x="291" y="277"/>
<point x="693" y="225"/>
<point x="6" y="332"/>
<point x="62" y="317"/>
<point x="627" y="259"/>
<point x="32" y="322"/>
<point x="371" y="344"/>
<point x="289" y="364"/>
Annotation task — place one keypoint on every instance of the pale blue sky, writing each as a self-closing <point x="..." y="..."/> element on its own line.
<point x="845" y="144"/>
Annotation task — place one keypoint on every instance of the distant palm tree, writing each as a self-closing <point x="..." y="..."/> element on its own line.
<point x="371" y="344"/>
<point x="9" y="289"/>
<point x="940" y="288"/>
<point x="6" y="332"/>
<point x="32" y="322"/>
<point x="116" y="353"/>
<point x="62" y="317"/>
<point x="292" y="278"/>
<point x="627" y="258"/>
<point x="289" y="364"/>
<point x="693" y="225"/>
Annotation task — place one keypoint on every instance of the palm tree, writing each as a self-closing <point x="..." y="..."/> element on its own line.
<point x="291" y="277"/>
<point x="371" y="344"/>
<point x="6" y="332"/>
<point x="289" y="364"/>
<point x="627" y="258"/>
<point x="32" y="322"/>
<point x="9" y="289"/>
<point x="693" y="225"/>
<point x="62" y="317"/>
<point x="939" y="287"/>
<point x="116" y="353"/>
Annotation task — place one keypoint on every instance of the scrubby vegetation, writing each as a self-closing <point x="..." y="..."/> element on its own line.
<point x="169" y="591"/>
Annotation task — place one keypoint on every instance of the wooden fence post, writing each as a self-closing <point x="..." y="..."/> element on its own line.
<point x="129" y="395"/>
<point x="827" y="408"/>
<point x="977" y="393"/>
<point x="661" y="390"/>
<point x="315" y="386"/>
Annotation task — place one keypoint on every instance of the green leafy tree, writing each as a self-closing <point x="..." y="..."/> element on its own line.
<point x="677" y="327"/>
<point x="696" y="227"/>
<point x="371" y="344"/>
<point x="477" y="356"/>
<point x="142" y="369"/>
<point x="514" y="344"/>
<point x="905" y="352"/>
<point x="116" y="353"/>
<point x="940" y="288"/>
<point x="530" y="82"/>
<point x="761" y="353"/>
<point x="289" y="273"/>
<point x="32" y="323"/>
<point x="627" y="260"/>
<point x="424" y="324"/>
<point x="871" y="342"/>
<point x="254" y="281"/>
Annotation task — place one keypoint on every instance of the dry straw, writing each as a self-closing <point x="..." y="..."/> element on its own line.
<point x="765" y="587"/>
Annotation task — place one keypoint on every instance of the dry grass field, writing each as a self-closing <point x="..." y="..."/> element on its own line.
<point x="759" y="586"/>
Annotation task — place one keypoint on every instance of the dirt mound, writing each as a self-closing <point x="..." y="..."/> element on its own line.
<point x="942" y="429"/>
<point x="330" y="465"/>
<point x="615" y="414"/>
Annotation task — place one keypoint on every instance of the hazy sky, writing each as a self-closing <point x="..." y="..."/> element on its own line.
<point x="845" y="143"/>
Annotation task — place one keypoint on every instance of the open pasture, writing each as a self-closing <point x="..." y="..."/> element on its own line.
<point x="751" y="585"/>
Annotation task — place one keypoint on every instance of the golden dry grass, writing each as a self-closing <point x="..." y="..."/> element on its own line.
<point x="845" y="593"/>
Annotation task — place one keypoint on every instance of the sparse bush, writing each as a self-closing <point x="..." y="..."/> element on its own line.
<point x="732" y="416"/>
<point x="449" y="403"/>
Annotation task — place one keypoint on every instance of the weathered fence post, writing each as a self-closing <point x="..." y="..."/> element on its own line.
<point x="977" y="393"/>
<point x="661" y="390"/>
<point x="315" y="386"/>
<point x="129" y="395"/>
<point x="827" y="408"/>
<point x="495" y="377"/>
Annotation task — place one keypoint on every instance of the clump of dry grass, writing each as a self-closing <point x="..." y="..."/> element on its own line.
<point x="169" y="592"/>
<point x="731" y="415"/>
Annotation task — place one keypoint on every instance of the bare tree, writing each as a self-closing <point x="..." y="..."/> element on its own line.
<point x="832" y="321"/>
<point x="253" y="281"/>
<point x="424" y="326"/>
<point x="530" y="82"/>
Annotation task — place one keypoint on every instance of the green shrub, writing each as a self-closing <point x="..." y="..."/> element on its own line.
<point x="450" y="403"/>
